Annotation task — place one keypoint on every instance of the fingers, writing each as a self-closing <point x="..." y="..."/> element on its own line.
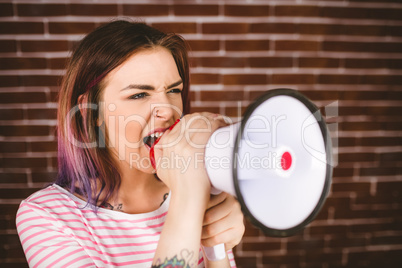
<point x="216" y="199"/>
<point x="228" y="230"/>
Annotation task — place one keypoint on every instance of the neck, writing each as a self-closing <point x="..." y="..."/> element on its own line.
<point x="139" y="192"/>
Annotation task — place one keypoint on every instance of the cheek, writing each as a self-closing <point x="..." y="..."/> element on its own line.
<point x="124" y="130"/>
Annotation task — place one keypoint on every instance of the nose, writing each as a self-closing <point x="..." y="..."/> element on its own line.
<point x="164" y="112"/>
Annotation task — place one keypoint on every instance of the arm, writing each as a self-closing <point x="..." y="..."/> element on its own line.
<point x="190" y="188"/>
<point x="44" y="244"/>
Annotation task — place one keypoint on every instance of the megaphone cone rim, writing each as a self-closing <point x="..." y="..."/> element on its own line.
<point x="328" y="149"/>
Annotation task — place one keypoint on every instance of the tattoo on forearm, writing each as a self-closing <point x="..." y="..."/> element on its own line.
<point x="184" y="261"/>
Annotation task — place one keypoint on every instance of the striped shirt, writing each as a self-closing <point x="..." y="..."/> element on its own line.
<point x="57" y="229"/>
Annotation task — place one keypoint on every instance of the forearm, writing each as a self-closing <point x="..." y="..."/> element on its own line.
<point x="181" y="234"/>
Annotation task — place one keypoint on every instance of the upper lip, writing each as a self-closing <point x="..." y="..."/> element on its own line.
<point x="156" y="130"/>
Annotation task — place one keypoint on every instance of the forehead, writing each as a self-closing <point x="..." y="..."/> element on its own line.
<point x="151" y="66"/>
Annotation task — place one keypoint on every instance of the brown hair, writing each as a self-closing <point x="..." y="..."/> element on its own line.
<point x="85" y="169"/>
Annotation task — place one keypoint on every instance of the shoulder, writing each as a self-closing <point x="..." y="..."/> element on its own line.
<point x="50" y="200"/>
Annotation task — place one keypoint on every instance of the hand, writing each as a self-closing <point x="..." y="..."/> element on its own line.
<point x="179" y="154"/>
<point x="223" y="222"/>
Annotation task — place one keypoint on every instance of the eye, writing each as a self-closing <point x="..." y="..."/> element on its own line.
<point x="138" y="96"/>
<point x="175" y="90"/>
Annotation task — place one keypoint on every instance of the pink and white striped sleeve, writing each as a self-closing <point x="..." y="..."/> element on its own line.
<point x="44" y="243"/>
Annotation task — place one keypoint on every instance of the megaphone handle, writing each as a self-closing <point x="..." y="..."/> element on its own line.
<point x="215" y="253"/>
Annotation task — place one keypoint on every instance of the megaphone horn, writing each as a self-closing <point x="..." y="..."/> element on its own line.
<point x="276" y="162"/>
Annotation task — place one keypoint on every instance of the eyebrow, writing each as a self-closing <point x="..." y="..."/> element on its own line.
<point x="149" y="87"/>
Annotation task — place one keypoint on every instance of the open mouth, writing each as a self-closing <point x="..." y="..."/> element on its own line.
<point x="150" y="140"/>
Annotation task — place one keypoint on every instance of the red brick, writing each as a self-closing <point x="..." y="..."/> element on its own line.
<point x="204" y="78"/>
<point x="380" y="171"/>
<point x="176" y="27"/>
<point x="6" y="10"/>
<point x="381" y="79"/>
<point x="40" y="80"/>
<point x="22" y="63"/>
<point x="319" y="62"/>
<point x="44" y="176"/>
<point x="390" y="47"/>
<point x="203" y="45"/>
<point x="296" y="45"/>
<point x="37" y="114"/>
<point x="392" y="156"/>
<point x="245" y="79"/>
<point x="196" y="10"/>
<point x="280" y="259"/>
<point x="9" y="81"/>
<point x="380" y="141"/>
<point x="222" y="95"/>
<point x="297" y="11"/>
<point x="368" y="30"/>
<point x="373" y="63"/>
<point x="24" y="130"/>
<point x="13" y="147"/>
<point x="357" y="157"/>
<point x="234" y="111"/>
<point x="293" y="79"/>
<point x="8" y="46"/>
<point x="43" y="146"/>
<point x="343" y="172"/>
<point x="320" y="257"/>
<point x="23" y="97"/>
<point x="339" y="79"/>
<point x="361" y="13"/>
<point x="246" y="45"/>
<point x="242" y="261"/>
<point x="44" y="45"/>
<point x="246" y="10"/>
<point x="223" y="62"/>
<point x="261" y="246"/>
<point x="19" y="162"/>
<point x="330" y="229"/>
<point x="393" y="30"/>
<point x="312" y="243"/>
<point x="40" y="10"/>
<point x="93" y="10"/>
<point x="225" y="28"/>
<point x="340" y="242"/>
<point x="71" y="27"/>
<point x="357" y="187"/>
<point x="374" y="110"/>
<point x="146" y="10"/>
<point x="22" y="192"/>
<point x="270" y="27"/>
<point x="14" y="177"/>
<point x="57" y="63"/>
<point x="19" y="27"/>
<point x="381" y="258"/>
<point x="271" y="62"/>
<point x="11" y="114"/>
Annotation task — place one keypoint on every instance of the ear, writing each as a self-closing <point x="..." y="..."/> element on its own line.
<point x="82" y="100"/>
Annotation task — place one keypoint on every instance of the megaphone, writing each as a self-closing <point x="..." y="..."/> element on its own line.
<point x="276" y="162"/>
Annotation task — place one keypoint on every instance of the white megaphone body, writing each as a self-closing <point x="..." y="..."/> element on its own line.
<point x="276" y="162"/>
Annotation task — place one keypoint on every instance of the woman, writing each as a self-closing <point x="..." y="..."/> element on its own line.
<point x="124" y="92"/>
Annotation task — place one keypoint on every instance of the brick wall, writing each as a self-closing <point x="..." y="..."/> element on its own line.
<point x="345" y="51"/>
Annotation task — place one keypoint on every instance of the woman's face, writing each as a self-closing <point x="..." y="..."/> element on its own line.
<point x="141" y="99"/>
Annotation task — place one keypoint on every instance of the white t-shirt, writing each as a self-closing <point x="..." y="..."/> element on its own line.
<point x="57" y="229"/>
